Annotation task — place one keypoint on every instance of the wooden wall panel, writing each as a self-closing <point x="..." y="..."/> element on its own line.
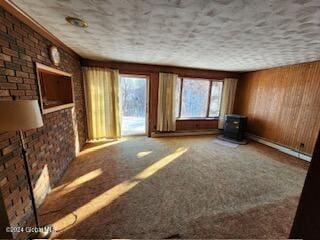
<point x="282" y="104"/>
<point x="152" y="71"/>
<point x="196" y="124"/>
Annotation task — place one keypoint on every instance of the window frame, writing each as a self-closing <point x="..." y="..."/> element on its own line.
<point x="207" y="117"/>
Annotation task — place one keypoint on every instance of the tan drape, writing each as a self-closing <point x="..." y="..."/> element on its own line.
<point x="166" y="120"/>
<point x="228" y="96"/>
<point x="102" y="102"/>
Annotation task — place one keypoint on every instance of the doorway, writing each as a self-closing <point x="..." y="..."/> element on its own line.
<point x="134" y="92"/>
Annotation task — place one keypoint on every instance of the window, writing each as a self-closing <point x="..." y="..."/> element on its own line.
<point x="194" y="100"/>
<point x="198" y="98"/>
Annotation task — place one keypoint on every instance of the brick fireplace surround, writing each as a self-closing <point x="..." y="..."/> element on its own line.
<point x="51" y="147"/>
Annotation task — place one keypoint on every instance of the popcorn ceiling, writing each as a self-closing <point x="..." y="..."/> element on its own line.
<point x="232" y="35"/>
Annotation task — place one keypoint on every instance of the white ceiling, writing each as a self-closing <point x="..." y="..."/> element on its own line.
<point x="234" y="35"/>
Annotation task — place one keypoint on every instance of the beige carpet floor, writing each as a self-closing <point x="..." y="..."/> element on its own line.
<point x="176" y="187"/>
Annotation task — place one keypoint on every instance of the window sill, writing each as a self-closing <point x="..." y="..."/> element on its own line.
<point x="197" y="119"/>
<point x="57" y="108"/>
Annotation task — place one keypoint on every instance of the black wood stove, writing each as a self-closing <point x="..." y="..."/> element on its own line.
<point x="235" y="127"/>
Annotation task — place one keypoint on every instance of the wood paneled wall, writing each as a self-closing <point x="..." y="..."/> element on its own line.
<point x="152" y="71"/>
<point x="204" y="124"/>
<point x="282" y="104"/>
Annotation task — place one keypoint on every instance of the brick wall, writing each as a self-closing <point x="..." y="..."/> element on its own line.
<point x="51" y="147"/>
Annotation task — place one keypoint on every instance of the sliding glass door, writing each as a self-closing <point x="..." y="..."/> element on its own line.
<point x="134" y="105"/>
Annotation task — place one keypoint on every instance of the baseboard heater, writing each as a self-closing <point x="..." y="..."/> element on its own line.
<point x="280" y="147"/>
<point x="186" y="133"/>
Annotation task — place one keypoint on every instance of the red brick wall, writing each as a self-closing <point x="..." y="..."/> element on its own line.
<point x="51" y="147"/>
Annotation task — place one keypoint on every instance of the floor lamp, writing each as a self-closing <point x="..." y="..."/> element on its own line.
<point x="18" y="116"/>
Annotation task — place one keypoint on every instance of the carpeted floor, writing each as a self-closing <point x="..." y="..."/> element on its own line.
<point x="176" y="187"/>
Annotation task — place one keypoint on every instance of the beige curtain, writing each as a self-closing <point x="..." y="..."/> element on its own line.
<point x="228" y="96"/>
<point x="102" y="102"/>
<point x="166" y="120"/>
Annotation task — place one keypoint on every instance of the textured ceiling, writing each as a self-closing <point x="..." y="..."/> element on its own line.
<point x="235" y="35"/>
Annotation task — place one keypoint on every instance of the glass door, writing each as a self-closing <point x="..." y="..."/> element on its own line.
<point x="134" y="105"/>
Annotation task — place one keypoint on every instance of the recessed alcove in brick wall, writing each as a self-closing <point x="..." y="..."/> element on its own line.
<point x="51" y="147"/>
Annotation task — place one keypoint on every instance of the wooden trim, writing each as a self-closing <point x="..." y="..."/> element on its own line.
<point x="149" y="68"/>
<point x="198" y="119"/>
<point x="133" y="75"/>
<point x="57" y="108"/>
<point x="28" y="20"/>
<point x="48" y="69"/>
<point x="186" y="133"/>
<point x="202" y="78"/>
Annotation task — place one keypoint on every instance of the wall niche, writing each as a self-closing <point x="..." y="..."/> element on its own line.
<point x="55" y="89"/>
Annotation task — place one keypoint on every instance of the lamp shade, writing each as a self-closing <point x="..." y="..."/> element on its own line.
<point x="19" y="115"/>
